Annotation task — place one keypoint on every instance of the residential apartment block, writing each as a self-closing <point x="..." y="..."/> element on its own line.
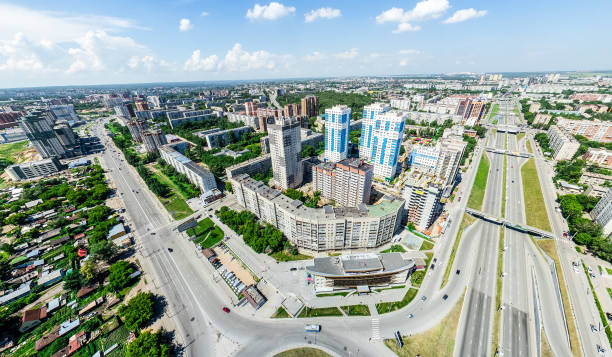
<point x="562" y="143"/>
<point x="309" y="106"/>
<point x="196" y="174"/>
<point x="337" y="122"/>
<point x="422" y="193"/>
<point x="382" y="131"/>
<point x="348" y="182"/>
<point x="153" y="139"/>
<point x="602" y="212"/>
<point x="34" y="169"/>
<point x="38" y="126"/>
<point x="286" y="151"/>
<point x="594" y="130"/>
<point x="320" y="229"/>
<point x="598" y="156"/>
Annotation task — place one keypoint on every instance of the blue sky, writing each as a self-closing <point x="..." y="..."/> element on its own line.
<point x="102" y="42"/>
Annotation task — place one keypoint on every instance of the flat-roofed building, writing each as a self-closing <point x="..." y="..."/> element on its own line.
<point x="347" y="182"/>
<point x="286" y="152"/>
<point x="196" y="174"/>
<point x="360" y="272"/>
<point x="602" y="212"/>
<point x="34" y="169"/>
<point x="599" y="156"/>
<point x="309" y="106"/>
<point x="337" y="123"/>
<point x="422" y="193"/>
<point x="320" y="229"/>
<point x="562" y="143"/>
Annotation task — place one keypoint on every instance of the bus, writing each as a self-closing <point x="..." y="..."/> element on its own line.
<point x="312" y="328"/>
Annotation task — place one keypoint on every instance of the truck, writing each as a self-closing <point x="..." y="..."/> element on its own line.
<point x="312" y="328"/>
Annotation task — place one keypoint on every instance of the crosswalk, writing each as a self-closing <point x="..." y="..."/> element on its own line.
<point x="375" y="328"/>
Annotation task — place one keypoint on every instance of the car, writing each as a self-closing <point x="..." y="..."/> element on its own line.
<point x="445" y="297"/>
<point x="170" y="250"/>
<point x="226" y="309"/>
<point x="435" y="260"/>
<point x="293" y="269"/>
<point x="458" y="272"/>
<point x="432" y="266"/>
<point x="592" y="275"/>
<point x="423" y="298"/>
<point x="410" y="316"/>
<point x="593" y="328"/>
<point x="601" y="350"/>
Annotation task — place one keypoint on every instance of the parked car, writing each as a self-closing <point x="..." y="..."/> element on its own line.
<point x="458" y="271"/>
<point x="226" y="309"/>
<point x="445" y="297"/>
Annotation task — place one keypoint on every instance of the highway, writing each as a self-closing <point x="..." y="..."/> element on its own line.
<point x="582" y="303"/>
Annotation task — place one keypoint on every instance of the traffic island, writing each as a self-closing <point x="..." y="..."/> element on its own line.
<point x="437" y="341"/>
<point x="480" y="184"/>
<point x="535" y="209"/>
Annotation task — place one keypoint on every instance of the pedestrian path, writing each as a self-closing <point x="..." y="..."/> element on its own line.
<point x="375" y="328"/>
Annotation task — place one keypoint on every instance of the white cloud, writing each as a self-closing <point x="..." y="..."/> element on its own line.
<point x="464" y="15"/>
<point x="409" y="52"/>
<point x="316" y="56"/>
<point x="350" y="54"/>
<point x="404" y="62"/>
<point x="185" y="25"/>
<point x="322" y="13"/>
<point x="99" y="51"/>
<point x="272" y="11"/>
<point x="196" y="63"/>
<point x="405" y="27"/>
<point x="204" y="14"/>
<point x="424" y="10"/>
<point x="19" y="55"/>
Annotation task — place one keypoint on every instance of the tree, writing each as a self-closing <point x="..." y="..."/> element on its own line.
<point x="73" y="281"/>
<point x="97" y="214"/>
<point x="411" y="226"/>
<point x="89" y="271"/>
<point x="228" y="186"/>
<point x="150" y="345"/>
<point x="308" y="151"/>
<point x="119" y="276"/>
<point x="104" y="250"/>
<point x="138" y="311"/>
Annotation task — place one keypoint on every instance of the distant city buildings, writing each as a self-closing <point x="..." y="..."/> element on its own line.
<point x="382" y="131"/>
<point x="594" y="130"/>
<point x="348" y="182"/>
<point x="337" y="122"/>
<point x="563" y="145"/>
<point x="286" y="151"/>
<point x="602" y="212"/>
<point x="291" y="110"/>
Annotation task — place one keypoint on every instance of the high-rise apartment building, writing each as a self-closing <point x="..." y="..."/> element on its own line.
<point x="34" y="169"/>
<point x="65" y="134"/>
<point x="474" y="110"/>
<point x="347" y="182"/>
<point x="382" y="131"/>
<point x="153" y="139"/>
<point x="441" y="160"/>
<point x="286" y="152"/>
<point x="422" y="193"/>
<point x="563" y="144"/>
<point x="250" y="108"/>
<point x="337" y="123"/>
<point x="154" y="101"/>
<point x="38" y="127"/>
<point x="602" y="212"/>
<point x="64" y="112"/>
<point x="291" y="110"/>
<point x="310" y="106"/>
<point x="141" y="105"/>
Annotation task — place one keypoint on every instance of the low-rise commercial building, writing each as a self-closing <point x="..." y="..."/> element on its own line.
<point x="360" y="271"/>
<point x="320" y="229"/>
<point x="347" y="182"/>
<point x="563" y="144"/>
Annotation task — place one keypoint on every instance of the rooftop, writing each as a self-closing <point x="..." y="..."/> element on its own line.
<point x="360" y="264"/>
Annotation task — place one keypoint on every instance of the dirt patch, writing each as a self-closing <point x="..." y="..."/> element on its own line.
<point x="234" y="265"/>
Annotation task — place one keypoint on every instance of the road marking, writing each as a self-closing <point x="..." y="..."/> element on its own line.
<point x="375" y="328"/>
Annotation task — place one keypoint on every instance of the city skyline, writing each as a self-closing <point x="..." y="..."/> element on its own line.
<point x="79" y="44"/>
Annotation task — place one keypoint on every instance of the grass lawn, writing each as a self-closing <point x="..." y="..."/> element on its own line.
<point x="494" y="111"/>
<point x="609" y="271"/>
<point x="466" y="221"/>
<point x="203" y="226"/>
<point x="303" y="352"/>
<point x="480" y="184"/>
<point x="426" y="245"/>
<point x="281" y="313"/>
<point x="498" y="290"/>
<point x="339" y="293"/>
<point x="213" y="238"/>
<point x="535" y="210"/>
<point x="528" y="144"/>
<point x="12" y="151"/>
<point x="503" y="200"/>
<point x="417" y="278"/>
<point x="519" y="136"/>
<point x="394" y="248"/>
<point x="549" y="247"/>
<point x="324" y="311"/>
<point x="385" y="307"/>
<point x="546" y="350"/>
<point x="176" y="203"/>
<point x="438" y="341"/>
<point x="282" y="256"/>
<point x="391" y="288"/>
<point x="609" y="292"/>
<point x="356" y="310"/>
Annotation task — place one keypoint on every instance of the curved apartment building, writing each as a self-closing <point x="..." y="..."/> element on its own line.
<point x="319" y="229"/>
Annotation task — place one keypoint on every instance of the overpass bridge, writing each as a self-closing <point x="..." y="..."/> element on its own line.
<point x="508" y="152"/>
<point x="508" y="224"/>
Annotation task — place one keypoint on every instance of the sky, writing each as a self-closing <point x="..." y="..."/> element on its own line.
<point x="75" y="42"/>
